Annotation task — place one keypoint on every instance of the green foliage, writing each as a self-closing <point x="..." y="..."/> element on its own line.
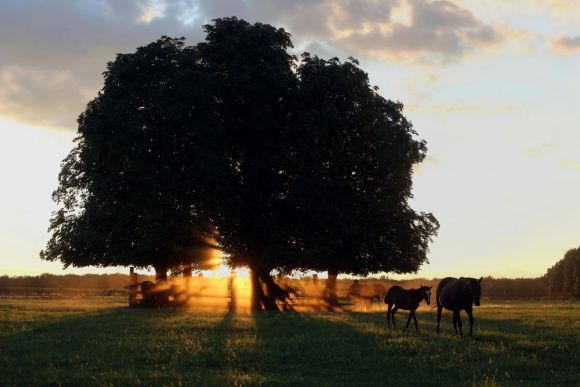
<point x="58" y="342"/>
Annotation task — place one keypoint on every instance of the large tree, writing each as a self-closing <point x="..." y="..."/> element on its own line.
<point x="286" y="166"/>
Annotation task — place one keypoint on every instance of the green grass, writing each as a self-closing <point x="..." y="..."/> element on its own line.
<point x="79" y="342"/>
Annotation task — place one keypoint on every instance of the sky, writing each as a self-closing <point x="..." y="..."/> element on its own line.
<point x="492" y="86"/>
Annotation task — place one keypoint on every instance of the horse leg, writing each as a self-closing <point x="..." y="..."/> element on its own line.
<point x="469" y="312"/>
<point x="409" y="320"/>
<point x="455" y="317"/>
<point x="439" y="310"/>
<point x="389" y="314"/>
<point x="393" y="315"/>
<point x="415" y="320"/>
<point x="459" y="323"/>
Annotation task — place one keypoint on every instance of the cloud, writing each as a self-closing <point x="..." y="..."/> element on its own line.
<point x="461" y="108"/>
<point x="540" y="150"/>
<point x="429" y="161"/>
<point x="151" y="10"/>
<point x="567" y="44"/>
<point x="52" y="98"/>
<point x="436" y="31"/>
<point x="574" y="164"/>
<point x="54" y="52"/>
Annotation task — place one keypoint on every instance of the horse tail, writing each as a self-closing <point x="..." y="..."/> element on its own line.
<point x="386" y="299"/>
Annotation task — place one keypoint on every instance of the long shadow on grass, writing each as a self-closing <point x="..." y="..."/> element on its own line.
<point x="329" y="349"/>
<point x="114" y="346"/>
<point x="51" y="351"/>
<point x="359" y="349"/>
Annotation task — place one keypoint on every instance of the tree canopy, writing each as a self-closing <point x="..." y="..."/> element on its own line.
<point x="285" y="164"/>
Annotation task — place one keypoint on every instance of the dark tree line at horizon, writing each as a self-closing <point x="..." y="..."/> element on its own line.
<point x="563" y="279"/>
<point x="283" y="164"/>
<point x="493" y="288"/>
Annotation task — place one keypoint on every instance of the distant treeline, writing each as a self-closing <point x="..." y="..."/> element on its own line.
<point x="510" y="288"/>
<point x="495" y="288"/>
<point x="563" y="279"/>
<point x="86" y="281"/>
<point x="492" y="288"/>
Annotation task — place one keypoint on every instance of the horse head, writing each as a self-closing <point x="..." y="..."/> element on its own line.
<point x="426" y="291"/>
<point x="475" y="290"/>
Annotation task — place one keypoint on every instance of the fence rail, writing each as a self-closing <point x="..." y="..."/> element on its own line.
<point x="14" y="291"/>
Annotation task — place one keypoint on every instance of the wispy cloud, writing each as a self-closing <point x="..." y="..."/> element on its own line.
<point x="415" y="30"/>
<point x="567" y="44"/>
<point x="428" y="162"/>
<point x="461" y="108"/>
<point x="539" y="150"/>
<point x="574" y="164"/>
<point x="151" y="10"/>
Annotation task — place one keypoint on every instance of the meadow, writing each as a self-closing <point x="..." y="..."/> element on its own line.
<point x="100" y="341"/>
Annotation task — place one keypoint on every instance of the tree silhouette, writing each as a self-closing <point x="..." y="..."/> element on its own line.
<point x="232" y="143"/>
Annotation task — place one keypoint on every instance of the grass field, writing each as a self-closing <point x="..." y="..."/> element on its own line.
<point x="99" y="341"/>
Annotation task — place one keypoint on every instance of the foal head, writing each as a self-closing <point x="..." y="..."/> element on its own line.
<point x="474" y="290"/>
<point x="426" y="293"/>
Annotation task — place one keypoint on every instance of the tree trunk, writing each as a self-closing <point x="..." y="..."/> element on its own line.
<point x="265" y="300"/>
<point x="161" y="295"/>
<point x="160" y="273"/>
<point x="273" y="291"/>
<point x="331" y="295"/>
<point x="187" y="270"/>
<point x="257" y="293"/>
<point x="183" y="297"/>
<point x="132" y="287"/>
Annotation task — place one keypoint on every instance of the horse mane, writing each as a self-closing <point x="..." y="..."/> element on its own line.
<point x="465" y="282"/>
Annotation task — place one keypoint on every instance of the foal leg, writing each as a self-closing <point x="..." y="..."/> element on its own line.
<point x="439" y="310"/>
<point x="455" y="318"/>
<point x="389" y="314"/>
<point x="409" y="320"/>
<point x="469" y="312"/>
<point x="415" y="320"/>
<point x="393" y="315"/>
<point x="459" y="323"/>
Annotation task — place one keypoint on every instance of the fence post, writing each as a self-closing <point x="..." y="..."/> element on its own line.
<point x="132" y="287"/>
<point x="232" y="289"/>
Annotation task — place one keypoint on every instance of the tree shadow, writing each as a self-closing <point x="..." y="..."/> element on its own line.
<point x="119" y="346"/>
<point x="129" y="346"/>
<point x="321" y="349"/>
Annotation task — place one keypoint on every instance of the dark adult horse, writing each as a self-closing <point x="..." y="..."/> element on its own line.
<point x="457" y="295"/>
<point x="406" y="300"/>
